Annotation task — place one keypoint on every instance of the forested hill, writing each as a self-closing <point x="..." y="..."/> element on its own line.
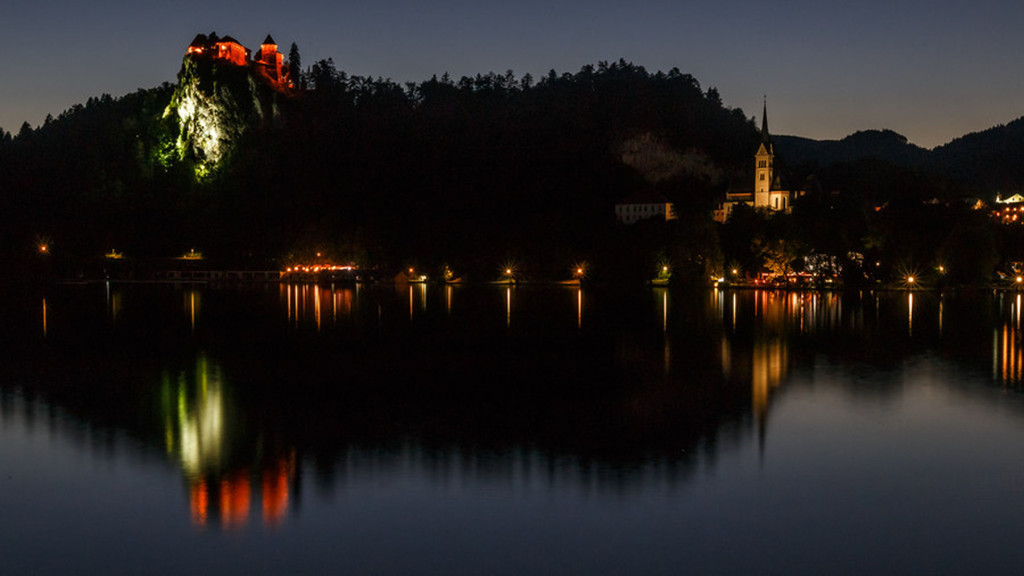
<point x="468" y="171"/>
<point x="990" y="160"/>
<point x="981" y="164"/>
<point x="867" y="144"/>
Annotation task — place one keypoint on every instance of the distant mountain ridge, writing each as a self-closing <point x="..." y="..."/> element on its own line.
<point x="988" y="161"/>
<point x="864" y="144"/>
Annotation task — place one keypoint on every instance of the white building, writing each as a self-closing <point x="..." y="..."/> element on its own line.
<point x="644" y="206"/>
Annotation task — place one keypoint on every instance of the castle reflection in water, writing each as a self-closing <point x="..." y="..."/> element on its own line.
<point x="203" y="432"/>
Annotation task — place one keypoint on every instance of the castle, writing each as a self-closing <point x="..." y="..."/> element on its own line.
<point x="268" y="63"/>
<point x="768" y="192"/>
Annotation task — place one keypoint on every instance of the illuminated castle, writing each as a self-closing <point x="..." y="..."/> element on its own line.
<point x="268" y="62"/>
<point x="768" y="193"/>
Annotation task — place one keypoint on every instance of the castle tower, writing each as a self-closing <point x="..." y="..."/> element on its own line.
<point x="765" y="164"/>
<point x="271" y="58"/>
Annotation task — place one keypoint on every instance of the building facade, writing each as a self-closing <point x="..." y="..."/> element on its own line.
<point x="644" y="206"/>
<point x="268" y="63"/>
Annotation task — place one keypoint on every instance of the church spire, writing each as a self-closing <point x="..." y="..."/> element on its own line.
<point x="764" y="122"/>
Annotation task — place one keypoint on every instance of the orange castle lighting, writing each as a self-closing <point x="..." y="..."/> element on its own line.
<point x="267" y="63"/>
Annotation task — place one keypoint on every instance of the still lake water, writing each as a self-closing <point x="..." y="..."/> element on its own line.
<point x="163" y="429"/>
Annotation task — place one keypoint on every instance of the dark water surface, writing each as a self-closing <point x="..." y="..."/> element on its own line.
<point x="162" y="429"/>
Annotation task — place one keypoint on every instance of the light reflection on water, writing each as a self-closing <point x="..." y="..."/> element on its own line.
<point x="442" y="391"/>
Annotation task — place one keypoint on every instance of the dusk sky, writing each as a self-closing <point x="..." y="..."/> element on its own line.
<point x="930" y="70"/>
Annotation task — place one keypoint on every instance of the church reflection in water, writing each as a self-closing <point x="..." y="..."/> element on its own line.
<point x="223" y="470"/>
<point x="756" y="350"/>
<point x="759" y="328"/>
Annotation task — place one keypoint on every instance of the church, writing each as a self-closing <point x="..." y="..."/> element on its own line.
<point x="768" y="193"/>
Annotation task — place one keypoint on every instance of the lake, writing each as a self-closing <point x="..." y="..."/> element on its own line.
<point x="426" y="429"/>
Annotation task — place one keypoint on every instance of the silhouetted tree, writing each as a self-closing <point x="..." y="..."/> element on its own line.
<point x="25" y="132"/>
<point x="295" y="66"/>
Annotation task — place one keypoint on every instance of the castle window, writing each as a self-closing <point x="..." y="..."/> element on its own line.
<point x="762" y="176"/>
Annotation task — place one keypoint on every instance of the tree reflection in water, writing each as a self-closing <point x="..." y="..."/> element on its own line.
<point x="255" y="382"/>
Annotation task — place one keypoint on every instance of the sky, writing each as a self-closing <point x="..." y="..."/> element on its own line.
<point x="930" y="70"/>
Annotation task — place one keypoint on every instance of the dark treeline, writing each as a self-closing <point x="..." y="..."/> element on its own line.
<point x="480" y="171"/>
<point x="471" y="173"/>
<point x="89" y="180"/>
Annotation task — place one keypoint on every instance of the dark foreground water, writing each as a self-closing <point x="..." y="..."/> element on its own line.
<point x="161" y="429"/>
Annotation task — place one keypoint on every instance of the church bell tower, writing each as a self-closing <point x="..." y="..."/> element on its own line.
<point x="764" y="164"/>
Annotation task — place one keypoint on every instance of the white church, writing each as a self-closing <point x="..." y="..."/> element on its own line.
<point x="767" y="194"/>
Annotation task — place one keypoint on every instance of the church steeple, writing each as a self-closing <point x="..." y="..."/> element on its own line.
<point x="764" y="123"/>
<point x="764" y="162"/>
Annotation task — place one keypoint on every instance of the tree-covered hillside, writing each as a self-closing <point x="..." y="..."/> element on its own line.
<point x="989" y="161"/>
<point x="476" y="172"/>
<point x="467" y="172"/>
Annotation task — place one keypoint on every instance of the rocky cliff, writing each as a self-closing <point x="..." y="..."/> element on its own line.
<point x="214" y="106"/>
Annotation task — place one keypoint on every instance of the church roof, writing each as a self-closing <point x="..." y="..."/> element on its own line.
<point x="777" y="185"/>
<point x="644" y="197"/>
<point x="269" y="40"/>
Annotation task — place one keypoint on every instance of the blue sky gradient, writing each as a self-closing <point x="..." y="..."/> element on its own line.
<point x="931" y="71"/>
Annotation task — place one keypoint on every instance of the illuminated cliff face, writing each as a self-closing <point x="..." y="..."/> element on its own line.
<point x="215" y="104"/>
